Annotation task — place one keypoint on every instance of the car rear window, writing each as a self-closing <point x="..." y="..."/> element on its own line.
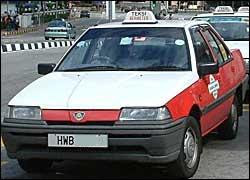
<point x="57" y="24"/>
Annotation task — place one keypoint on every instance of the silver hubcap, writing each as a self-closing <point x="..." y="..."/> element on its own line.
<point x="190" y="148"/>
<point x="234" y="117"/>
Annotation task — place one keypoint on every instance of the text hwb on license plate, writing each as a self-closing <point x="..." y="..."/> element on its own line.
<point x="77" y="140"/>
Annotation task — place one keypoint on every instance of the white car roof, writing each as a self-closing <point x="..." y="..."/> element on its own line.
<point x="161" y="23"/>
<point x="225" y="14"/>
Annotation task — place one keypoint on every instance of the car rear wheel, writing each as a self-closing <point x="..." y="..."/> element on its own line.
<point x="188" y="161"/>
<point x="53" y="38"/>
<point x="229" y="128"/>
<point x="46" y="38"/>
<point x="35" y="165"/>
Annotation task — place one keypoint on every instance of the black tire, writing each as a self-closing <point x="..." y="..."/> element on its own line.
<point x="35" y="165"/>
<point x="53" y="38"/>
<point x="229" y="128"/>
<point x="247" y="97"/>
<point x="179" y="168"/>
<point x="46" y="38"/>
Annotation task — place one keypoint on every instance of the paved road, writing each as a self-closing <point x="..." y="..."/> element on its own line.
<point x="220" y="159"/>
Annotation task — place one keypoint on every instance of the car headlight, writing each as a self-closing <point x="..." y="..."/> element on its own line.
<point x="144" y="114"/>
<point x="19" y="112"/>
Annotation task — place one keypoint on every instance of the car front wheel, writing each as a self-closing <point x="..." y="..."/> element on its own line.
<point x="35" y="165"/>
<point x="188" y="160"/>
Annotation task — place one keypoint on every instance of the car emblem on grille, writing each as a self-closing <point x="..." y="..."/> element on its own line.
<point x="79" y="115"/>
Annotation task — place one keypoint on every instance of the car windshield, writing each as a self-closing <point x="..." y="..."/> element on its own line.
<point x="230" y="28"/>
<point x="129" y="49"/>
<point x="57" y="24"/>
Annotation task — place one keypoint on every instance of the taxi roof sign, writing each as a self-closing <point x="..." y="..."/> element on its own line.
<point x="140" y="17"/>
<point x="243" y="9"/>
<point x="223" y="10"/>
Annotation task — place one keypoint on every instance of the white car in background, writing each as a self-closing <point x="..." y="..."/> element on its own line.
<point x="244" y="9"/>
<point x="232" y="26"/>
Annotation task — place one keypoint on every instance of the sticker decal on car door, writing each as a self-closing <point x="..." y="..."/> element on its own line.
<point x="213" y="86"/>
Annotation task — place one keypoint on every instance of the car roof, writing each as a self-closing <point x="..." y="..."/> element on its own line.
<point x="160" y="23"/>
<point x="222" y="14"/>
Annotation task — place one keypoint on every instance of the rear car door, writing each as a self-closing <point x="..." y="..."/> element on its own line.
<point x="70" y="29"/>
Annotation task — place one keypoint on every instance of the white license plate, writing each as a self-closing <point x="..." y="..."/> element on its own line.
<point x="78" y="140"/>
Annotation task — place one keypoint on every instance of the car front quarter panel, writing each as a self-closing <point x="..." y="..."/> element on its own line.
<point x="181" y="105"/>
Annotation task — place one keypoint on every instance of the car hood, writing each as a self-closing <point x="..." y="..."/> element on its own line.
<point x="103" y="90"/>
<point x="242" y="45"/>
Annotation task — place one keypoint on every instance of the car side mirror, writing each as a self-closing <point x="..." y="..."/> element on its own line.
<point x="209" y="68"/>
<point x="46" y="68"/>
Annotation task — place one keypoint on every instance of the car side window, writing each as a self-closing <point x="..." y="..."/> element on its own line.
<point x="215" y="47"/>
<point x="225" y="54"/>
<point x="201" y="48"/>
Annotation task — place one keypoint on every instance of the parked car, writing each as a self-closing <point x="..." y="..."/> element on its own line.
<point x="232" y="26"/>
<point x="244" y="9"/>
<point x="141" y="90"/>
<point x="60" y="29"/>
<point x="85" y="13"/>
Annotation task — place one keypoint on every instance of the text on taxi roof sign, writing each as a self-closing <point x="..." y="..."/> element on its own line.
<point x="223" y="9"/>
<point x="139" y="17"/>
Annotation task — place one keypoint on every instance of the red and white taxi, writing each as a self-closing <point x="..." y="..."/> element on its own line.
<point x="142" y="90"/>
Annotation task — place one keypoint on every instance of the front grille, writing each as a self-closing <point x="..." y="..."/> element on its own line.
<point x="103" y="123"/>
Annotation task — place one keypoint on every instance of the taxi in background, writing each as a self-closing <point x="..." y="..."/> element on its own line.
<point x="142" y="90"/>
<point x="243" y="9"/>
<point x="232" y="26"/>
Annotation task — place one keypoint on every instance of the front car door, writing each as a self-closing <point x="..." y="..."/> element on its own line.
<point x="209" y="87"/>
<point x="226" y="71"/>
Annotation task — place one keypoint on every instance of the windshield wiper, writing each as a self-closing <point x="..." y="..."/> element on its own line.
<point x="93" y="68"/>
<point x="158" y="68"/>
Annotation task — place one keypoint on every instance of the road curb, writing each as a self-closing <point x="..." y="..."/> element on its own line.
<point x="21" y="31"/>
<point x="33" y="46"/>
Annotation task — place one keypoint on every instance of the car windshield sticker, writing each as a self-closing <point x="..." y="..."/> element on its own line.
<point x="139" y="39"/>
<point x="179" y="42"/>
<point x="214" y="86"/>
<point x="126" y="41"/>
